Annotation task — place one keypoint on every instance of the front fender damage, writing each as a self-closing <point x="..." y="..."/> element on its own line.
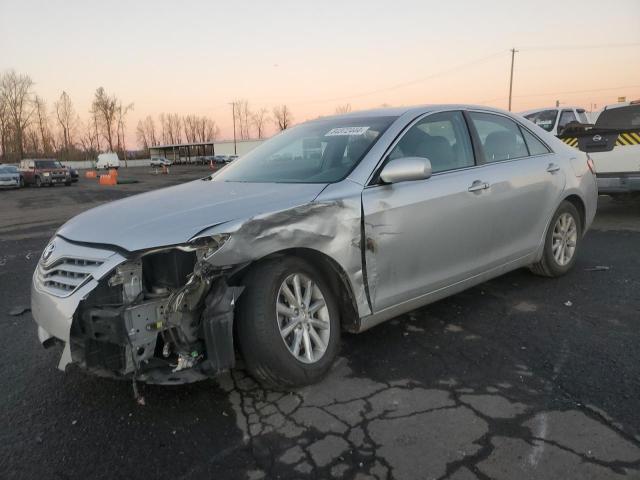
<point x="166" y="317"/>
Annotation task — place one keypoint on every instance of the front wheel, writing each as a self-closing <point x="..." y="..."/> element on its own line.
<point x="562" y="242"/>
<point x="38" y="182"/>
<point x="21" y="184"/>
<point x="288" y="323"/>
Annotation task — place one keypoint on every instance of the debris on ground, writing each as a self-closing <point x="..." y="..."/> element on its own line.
<point x="597" y="268"/>
<point x="19" y="310"/>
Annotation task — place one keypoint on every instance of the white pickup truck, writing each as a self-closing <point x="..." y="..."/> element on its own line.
<point x="555" y="119"/>
<point x="614" y="146"/>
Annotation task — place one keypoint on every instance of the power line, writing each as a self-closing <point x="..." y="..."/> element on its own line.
<point x="581" y="47"/>
<point x="415" y="81"/>
<point x="571" y="92"/>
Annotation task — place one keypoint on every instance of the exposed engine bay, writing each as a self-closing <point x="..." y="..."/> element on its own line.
<point x="165" y="317"/>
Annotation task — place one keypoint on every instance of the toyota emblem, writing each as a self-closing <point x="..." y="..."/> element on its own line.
<point x="48" y="250"/>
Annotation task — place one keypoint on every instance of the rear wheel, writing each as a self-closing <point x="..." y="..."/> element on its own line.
<point x="288" y="323"/>
<point x="562" y="242"/>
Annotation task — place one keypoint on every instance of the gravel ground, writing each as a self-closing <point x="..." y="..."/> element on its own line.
<point x="520" y="377"/>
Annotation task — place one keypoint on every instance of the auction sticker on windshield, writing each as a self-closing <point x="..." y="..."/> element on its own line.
<point x="334" y="132"/>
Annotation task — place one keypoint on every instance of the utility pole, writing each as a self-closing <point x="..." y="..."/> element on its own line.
<point x="233" y="105"/>
<point x="513" y="54"/>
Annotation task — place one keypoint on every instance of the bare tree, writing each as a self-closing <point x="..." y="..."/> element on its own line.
<point x="17" y="95"/>
<point x="260" y="119"/>
<point x="282" y="117"/>
<point x="32" y="141"/>
<point x="105" y="109"/>
<point x="150" y="127"/>
<point x="174" y="128"/>
<point x="4" y="127"/>
<point x="212" y="131"/>
<point x="243" y="118"/>
<point x="66" y="115"/>
<point x="190" y="124"/>
<point x="121" y="114"/>
<point x="88" y="139"/>
<point x="44" y="129"/>
<point x="94" y="128"/>
<point x="346" y="108"/>
<point x="141" y="135"/>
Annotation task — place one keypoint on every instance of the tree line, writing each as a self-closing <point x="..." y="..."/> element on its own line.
<point x="29" y="127"/>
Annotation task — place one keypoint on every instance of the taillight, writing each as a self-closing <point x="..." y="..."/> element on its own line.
<point x="591" y="165"/>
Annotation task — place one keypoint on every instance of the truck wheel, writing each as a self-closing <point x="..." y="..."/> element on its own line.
<point x="288" y="323"/>
<point x="562" y="242"/>
<point x="21" y="184"/>
<point x="38" y="182"/>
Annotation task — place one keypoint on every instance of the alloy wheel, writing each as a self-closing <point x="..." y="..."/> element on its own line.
<point x="564" y="239"/>
<point x="303" y="318"/>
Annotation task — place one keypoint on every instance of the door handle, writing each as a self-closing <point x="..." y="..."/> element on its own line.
<point x="478" y="185"/>
<point x="553" y="168"/>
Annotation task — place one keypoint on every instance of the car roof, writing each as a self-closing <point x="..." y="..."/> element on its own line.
<point x="399" y="111"/>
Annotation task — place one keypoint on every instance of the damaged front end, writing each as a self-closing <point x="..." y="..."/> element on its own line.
<point x="162" y="317"/>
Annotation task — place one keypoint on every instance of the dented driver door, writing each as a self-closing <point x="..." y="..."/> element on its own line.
<point x="424" y="235"/>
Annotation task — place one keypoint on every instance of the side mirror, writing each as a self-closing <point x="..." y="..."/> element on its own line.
<point x="406" y="169"/>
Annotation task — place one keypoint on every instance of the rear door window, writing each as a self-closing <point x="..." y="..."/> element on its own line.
<point x="499" y="137"/>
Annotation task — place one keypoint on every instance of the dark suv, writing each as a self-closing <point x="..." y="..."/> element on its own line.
<point x="44" y="172"/>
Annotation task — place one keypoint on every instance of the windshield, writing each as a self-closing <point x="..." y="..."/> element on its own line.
<point x="48" y="164"/>
<point x="315" y="152"/>
<point x="545" y="119"/>
<point x="8" y="169"/>
<point x="620" y="118"/>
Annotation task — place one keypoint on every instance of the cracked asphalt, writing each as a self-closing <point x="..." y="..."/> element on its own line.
<point x="520" y="377"/>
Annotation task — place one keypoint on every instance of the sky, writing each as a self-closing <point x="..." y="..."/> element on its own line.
<point x="194" y="57"/>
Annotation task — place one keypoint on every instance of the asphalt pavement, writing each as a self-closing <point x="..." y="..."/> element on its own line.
<point x="520" y="377"/>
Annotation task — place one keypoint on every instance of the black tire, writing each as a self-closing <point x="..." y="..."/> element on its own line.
<point x="21" y="184"/>
<point x="38" y="182"/>
<point x="548" y="266"/>
<point x="67" y="184"/>
<point x="266" y="356"/>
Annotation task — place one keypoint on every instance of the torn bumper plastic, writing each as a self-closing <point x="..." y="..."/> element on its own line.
<point x="112" y="326"/>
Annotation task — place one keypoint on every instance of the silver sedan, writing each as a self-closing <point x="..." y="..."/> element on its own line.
<point x="334" y="225"/>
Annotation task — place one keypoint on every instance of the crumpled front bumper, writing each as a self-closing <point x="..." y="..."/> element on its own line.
<point x="52" y="308"/>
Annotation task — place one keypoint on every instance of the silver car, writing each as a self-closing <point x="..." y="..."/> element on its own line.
<point x="334" y="225"/>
